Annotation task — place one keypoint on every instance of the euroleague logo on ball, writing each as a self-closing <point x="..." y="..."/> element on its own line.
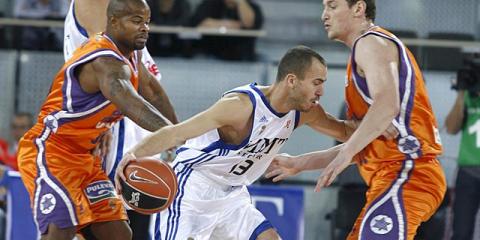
<point x="135" y="198"/>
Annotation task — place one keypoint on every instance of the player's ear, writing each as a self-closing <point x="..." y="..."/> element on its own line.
<point x="291" y="79"/>
<point x="359" y="8"/>
<point x="113" y="20"/>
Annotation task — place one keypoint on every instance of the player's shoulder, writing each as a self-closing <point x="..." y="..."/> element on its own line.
<point x="237" y="100"/>
<point x="375" y="42"/>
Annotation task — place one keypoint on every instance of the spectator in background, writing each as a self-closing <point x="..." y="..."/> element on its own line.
<point x="464" y="116"/>
<point x="168" y="13"/>
<point x="36" y="38"/>
<point x="229" y="14"/>
<point x="20" y="123"/>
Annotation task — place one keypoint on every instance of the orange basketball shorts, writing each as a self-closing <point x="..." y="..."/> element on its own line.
<point x="400" y="197"/>
<point x="66" y="189"/>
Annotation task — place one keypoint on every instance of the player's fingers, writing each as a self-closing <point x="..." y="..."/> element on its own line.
<point x="118" y="186"/>
<point x="323" y="179"/>
<point x="273" y="173"/>
<point x="331" y="178"/>
<point x="280" y="177"/>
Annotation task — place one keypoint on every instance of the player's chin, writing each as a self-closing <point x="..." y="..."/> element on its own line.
<point x="305" y="108"/>
<point x="140" y="45"/>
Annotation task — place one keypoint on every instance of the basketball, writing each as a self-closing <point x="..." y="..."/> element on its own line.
<point x="150" y="186"/>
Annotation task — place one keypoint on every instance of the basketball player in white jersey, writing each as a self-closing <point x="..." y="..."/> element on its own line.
<point x="85" y="18"/>
<point x="231" y="144"/>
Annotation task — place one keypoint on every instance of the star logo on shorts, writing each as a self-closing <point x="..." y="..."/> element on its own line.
<point x="408" y="144"/>
<point x="51" y="123"/>
<point x="381" y="224"/>
<point x="47" y="203"/>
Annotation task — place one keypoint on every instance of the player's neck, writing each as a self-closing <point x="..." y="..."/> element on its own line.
<point x="358" y="31"/>
<point x="277" y="97"/>
<point x="125" y="50"/>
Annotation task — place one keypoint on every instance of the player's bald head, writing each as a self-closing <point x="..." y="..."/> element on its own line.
<point x="119" y="8"/>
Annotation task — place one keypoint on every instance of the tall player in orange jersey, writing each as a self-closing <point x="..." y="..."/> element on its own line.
<point x="93" y="89"/>
<point x="384" y="86"/>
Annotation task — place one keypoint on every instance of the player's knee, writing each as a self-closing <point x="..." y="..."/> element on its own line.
<point x="127" y="234"/>
<point x="57" y="233"/>
<point x="122" y="232"/>
<point x="269" y="234"/>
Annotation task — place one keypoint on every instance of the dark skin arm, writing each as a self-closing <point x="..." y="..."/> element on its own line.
<point x="112" y="78"/>
<point x="150" y="89"/>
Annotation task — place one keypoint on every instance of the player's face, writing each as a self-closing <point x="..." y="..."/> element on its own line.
<point x="336" y="18"/>
<point x="308" y="90"/>
<point x="134" y="27"/>
<point x="20" y="126"/>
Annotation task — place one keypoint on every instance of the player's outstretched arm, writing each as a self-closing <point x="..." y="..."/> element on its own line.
<point x="113" y="77"/>
<point x="151" y="89"/>
<point x="377" y="58"/>
<point x="92" y="15"/>
<point x="233" y="110"/>
<point x="284" y="165"/>
<point x="327" y="124"/>
<point x="341" y="130"/>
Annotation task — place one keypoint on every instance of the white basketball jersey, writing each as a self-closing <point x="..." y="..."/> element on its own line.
<point x="73" y="33"/>
<point x="236" y="165"/>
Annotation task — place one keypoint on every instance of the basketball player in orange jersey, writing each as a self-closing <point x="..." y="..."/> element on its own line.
<point x="384" y="86"/>
<point x="86" y="18"/>
<point x="93" y="90"/>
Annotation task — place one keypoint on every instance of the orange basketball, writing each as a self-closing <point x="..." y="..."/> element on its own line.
<point x="150" y="186"/>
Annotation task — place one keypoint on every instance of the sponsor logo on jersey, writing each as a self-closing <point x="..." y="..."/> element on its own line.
<point x="100" y="190"/>
<point x="263" y="119"/>
<point x="108" y="122"/>
<point x="261" y="147"/>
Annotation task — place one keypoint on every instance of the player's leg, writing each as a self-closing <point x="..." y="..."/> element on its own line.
<point x="423" y="193"/>
<point x="269" y="234"/>
<point x="55" y="195"/>
<point x="192" y="214"/>
<point x="109" y="216"/>
<point x="55" y="232"/>
<point x="111" y="230"/>
<point x="399" y="199"/>
<point x="241" y="220"/>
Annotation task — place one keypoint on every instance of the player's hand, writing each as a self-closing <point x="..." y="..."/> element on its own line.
<point x="170" y="154"/>
<point x="103" y="146"/>
<point x="391" y="132"/>
<point x="127" y="158"/>
<point x="282" y="166"/>
<point x="338" y="164"/>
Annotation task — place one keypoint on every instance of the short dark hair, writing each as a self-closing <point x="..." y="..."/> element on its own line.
<point x="296" y="61"/>
<point x="370" y="12"/>
<point x="122" y="7"/>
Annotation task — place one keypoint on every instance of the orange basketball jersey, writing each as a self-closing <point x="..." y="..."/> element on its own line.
<point x="416" y="122"/>
<point x="77" y="118"/>
<point x="65" y="180"/>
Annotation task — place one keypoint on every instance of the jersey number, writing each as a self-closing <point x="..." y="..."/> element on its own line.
<point x="475" y="129"/>
<point x="241" y="168"/>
